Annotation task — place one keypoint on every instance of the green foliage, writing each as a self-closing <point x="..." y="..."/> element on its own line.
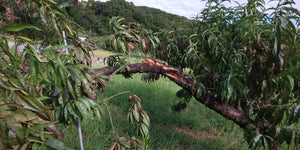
<point x="94" y="16"/>
<point x="247" y="58"/>
<point x="116" y="61"/>
<point x="131" y="38"/>
<point x="42" y="87"/>
<point x="20" y="27"/>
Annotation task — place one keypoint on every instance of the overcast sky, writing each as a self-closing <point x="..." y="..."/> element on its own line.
<point x="187" y="8"/>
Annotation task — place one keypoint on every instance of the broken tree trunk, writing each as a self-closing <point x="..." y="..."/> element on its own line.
<point x="177" y="76"/>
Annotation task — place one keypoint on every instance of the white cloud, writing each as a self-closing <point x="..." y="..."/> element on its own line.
<point x="187" y="8"/>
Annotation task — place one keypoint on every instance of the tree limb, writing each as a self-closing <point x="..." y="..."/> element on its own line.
<point x="231" y="113"/>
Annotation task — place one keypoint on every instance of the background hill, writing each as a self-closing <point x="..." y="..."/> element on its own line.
<point x="94" y="15"/>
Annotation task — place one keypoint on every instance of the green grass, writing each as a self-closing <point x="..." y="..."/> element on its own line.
<point x="168" y="129"/>
<point x="101" y="53"/>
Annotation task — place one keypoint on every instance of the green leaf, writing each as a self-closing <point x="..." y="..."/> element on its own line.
<point x="70" y="109"/>
<point x="97" y="114"/>
<point x="297" y="138"/>
<point x="42" y="98"/>
<point x="82" y="109"/>
<point x="145" y="129"/>
<point x="25" y="115"/>
<point x="238" y="84"/>
<point x="32" y="101"/>
<point x="285" y="135"/>
<point x="43" y="136"/>
<point x="296" y="114"/>
<point x="53" y="2"/>
<point x="291" y="81"/>
<point x="25" y="38"/>
<point x="145" y="119"/>
<point x="115" y="45"/>
<point x="267" y="113"/>
<point x="71" y="88"/>
<point x="256" y="141"/>
<point x="136" y="113"/>
<point x="266" y="144"/>
<point x="123" y="47"/>
<point x="280" y="114"/>
<point x="35" y="146"/>
<point x="24" y="147"/>
<point x="20" y="27"/>
<point x="8" y="87"/>
<point x="86" y="101"/>
<point x="289" y="137"/>
<point x="16" y="128"/>
<point x="180" y="93"/>
<point x="130" y="117"/>
<point x="37" y="127"/>
<point x="56" y="144"/>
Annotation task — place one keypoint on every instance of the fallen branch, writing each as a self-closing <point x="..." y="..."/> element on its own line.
<point x="177" y="76"/>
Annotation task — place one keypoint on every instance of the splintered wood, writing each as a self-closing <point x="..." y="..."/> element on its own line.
<point x="165" y="67"/>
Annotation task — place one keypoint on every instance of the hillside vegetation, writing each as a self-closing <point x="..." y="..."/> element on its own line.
<point x="94" y="15"/>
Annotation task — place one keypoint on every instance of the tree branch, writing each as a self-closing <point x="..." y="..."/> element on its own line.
<point x="177" y="76"/>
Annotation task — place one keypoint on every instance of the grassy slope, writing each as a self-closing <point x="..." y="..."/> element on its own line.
<point x="196" y="127"/>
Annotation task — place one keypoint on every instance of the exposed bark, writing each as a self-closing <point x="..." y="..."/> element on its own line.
<point x="236" y="115"/>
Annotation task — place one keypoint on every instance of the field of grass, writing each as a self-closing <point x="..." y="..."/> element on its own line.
<point x="101" y="53"/>
<point x="195" y="128"/>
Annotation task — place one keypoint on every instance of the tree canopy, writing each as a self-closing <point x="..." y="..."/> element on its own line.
<point x="242" y="62"/>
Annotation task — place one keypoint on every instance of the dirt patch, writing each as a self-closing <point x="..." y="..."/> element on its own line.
<point x="201" y="135"/>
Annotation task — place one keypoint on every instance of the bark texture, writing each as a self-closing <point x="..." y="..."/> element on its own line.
<point x="236" y="115"/>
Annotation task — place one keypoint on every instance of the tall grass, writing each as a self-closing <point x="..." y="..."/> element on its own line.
<point x="197" y="127"/>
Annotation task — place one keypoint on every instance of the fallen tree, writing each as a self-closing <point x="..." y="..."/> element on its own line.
<point x="184" y="81"/>
<point x="176" y="75"/>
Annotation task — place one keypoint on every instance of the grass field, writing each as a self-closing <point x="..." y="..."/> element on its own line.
<point x="101" y="53"/>
<point x="195" y="128"/>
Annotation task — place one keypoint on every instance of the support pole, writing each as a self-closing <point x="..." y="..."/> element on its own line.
<point x="65" y="42"/>
<point x="79" y="127"/>
<point x="80" y="136"/>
